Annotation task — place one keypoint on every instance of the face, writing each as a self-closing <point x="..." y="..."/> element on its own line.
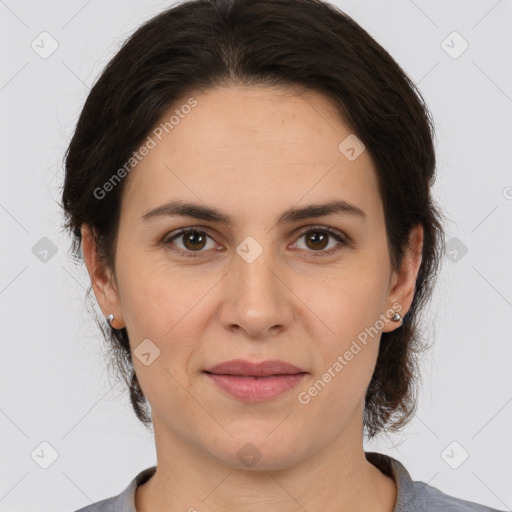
<point x="265" y="279"/>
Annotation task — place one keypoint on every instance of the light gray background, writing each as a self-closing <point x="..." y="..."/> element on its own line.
<point x="55" y="387"/>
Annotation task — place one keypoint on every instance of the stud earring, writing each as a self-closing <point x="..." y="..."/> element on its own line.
<point x="109" y="320"/>
<point x="397" y="317"/>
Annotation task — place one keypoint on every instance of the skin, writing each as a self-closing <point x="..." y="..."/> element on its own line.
<point x="254" y="152"/>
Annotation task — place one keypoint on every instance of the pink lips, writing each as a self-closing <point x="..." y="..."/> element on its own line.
<point x="255" y="382"/>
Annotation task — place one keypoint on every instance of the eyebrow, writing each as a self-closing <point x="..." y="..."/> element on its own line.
<point x="208" y="213"/>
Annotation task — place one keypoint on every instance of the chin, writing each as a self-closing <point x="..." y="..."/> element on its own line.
<point x="260" y="451"/>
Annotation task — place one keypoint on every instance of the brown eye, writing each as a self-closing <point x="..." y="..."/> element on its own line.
<point x="192" y="241"/>
<point x="317" y="239"/>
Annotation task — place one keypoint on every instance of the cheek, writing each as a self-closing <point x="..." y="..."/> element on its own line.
<point x="347" y="302"/>
<point x="347" y="336"/>
<point x="336" y="393"/>
<point x="168" y="311"/>
<point x="172" y="311"/>
<point x="157" y="299"/>
<point x="345" y="362"/>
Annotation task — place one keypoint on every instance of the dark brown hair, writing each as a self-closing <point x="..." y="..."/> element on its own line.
<point x="200" y="44"/>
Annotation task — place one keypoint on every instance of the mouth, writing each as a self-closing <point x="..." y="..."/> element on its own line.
<point x="245" y="368"/>
<point x="255" y="382"/>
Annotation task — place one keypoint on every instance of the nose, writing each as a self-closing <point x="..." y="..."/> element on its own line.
<point x="256" y="298"/>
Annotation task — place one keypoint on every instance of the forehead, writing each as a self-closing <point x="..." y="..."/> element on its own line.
<point x="252" y="150"/>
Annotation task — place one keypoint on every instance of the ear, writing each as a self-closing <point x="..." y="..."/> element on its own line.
<point x="403" y="281"/>
<point x="102" y="280"/>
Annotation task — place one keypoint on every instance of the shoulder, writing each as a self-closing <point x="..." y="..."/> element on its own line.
<point x="125" y="501"/>
<point x="107" y="505"/>
<point x="426" y="497"/>
<point x="416" y="496"/>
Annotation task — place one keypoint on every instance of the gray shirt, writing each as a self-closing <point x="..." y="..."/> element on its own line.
<point x="412" y="496"/>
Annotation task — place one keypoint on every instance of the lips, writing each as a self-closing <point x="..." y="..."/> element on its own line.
<point x="245" y="368"/>
<point x="255" y="382"/>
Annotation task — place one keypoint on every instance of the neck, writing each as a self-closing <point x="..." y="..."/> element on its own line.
<point x="337" y="478"/>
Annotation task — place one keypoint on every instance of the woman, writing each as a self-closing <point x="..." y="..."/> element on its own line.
<point x="249" y="182"/>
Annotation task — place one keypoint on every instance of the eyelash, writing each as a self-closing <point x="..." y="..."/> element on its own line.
<point x="195" y="254"/>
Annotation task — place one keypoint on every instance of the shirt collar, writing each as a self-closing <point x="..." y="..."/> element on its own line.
<point x="396" y="470"/>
